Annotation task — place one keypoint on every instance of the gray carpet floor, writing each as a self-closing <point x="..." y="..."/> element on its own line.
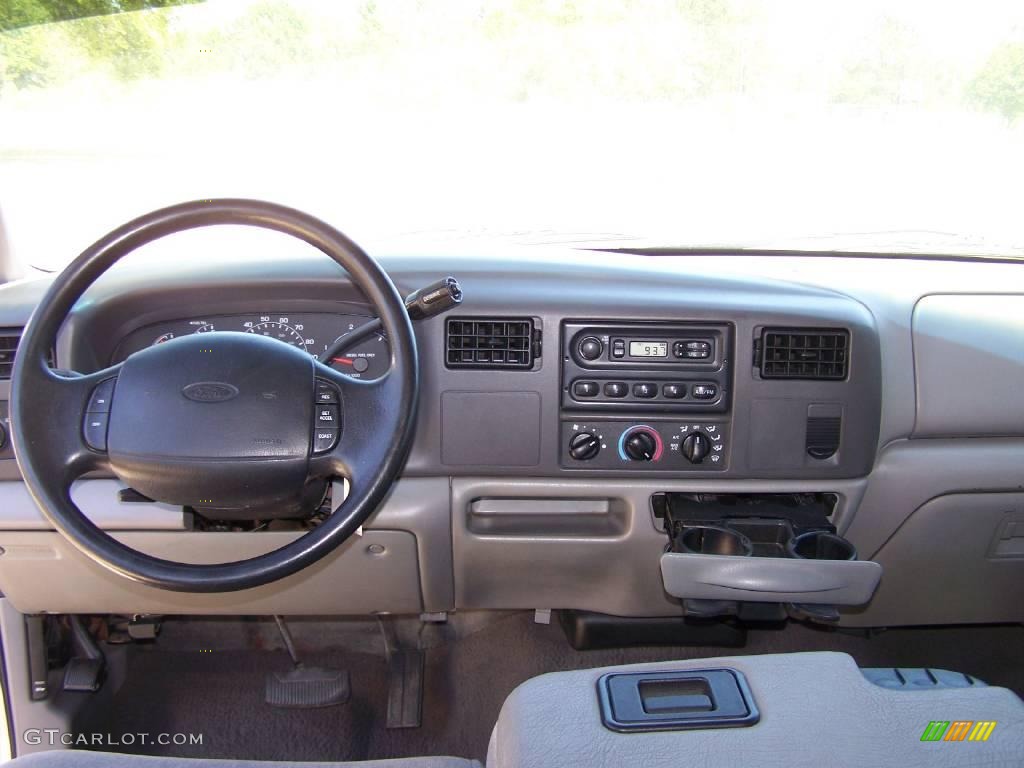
<point x="220" y="693"/>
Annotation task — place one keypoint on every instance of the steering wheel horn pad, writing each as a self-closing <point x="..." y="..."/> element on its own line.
<point x="223" y="417"/>
<point x="215" y="421"/>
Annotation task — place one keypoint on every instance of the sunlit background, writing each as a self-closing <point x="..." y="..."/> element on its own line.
<point x="867" y="125"/>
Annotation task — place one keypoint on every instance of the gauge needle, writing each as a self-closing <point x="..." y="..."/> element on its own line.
<point x="345" y="360"/>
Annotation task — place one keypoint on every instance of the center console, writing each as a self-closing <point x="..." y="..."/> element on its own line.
<point x="797" y="709"/>
<point x="646" y="396"/>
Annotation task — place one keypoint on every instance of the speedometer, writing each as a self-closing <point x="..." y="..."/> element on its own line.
<point x="280" y="330"/>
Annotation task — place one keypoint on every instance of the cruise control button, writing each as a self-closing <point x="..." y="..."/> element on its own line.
<point x="326" y="416"/>
<point x="95" y="430"/>
<point x="99" y="401"/>
<point x="644" y="390"/>
<point x="673" y="391"/>
<point x="585" y="389"/>
<point x="615" y="389"/>
<point x="704" y="391"/>
<point x="325" y="393"/>
<point x="324" y="439"/>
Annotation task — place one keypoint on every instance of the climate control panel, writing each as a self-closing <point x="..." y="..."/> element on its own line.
<point x="668" y="445"/>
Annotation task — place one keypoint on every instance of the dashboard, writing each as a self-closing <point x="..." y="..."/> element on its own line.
<point x="311" y="332"/>
<point x="571" y="386"/>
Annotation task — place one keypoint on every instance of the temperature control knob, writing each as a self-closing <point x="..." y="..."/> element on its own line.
<point x="640" y="445"/>
<point x="695" y="447"/>
<point x="584" y="446"/>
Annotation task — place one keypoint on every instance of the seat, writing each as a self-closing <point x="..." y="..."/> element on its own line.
<point x="66" y="758"/>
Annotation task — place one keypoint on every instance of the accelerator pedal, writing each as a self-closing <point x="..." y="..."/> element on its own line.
<point x="305" y="687"/>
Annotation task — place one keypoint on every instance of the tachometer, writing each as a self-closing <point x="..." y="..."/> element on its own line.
<point x="278" y="329"/>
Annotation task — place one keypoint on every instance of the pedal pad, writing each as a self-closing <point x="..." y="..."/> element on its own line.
<point x="405" y="688"/>
<point x="83" y="675"/>
<point x="308" y="687"/>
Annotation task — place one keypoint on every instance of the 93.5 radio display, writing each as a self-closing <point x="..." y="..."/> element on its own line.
<point x="648" y="349"/>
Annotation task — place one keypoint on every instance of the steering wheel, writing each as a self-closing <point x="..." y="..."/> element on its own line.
<point x="235" y="423"/>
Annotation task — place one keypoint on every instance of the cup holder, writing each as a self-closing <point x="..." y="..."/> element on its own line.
<point x="712" y="540"/>
<point x="821" y="545"/>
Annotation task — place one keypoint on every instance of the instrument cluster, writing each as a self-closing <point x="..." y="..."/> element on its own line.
<point x="312" y="332"/>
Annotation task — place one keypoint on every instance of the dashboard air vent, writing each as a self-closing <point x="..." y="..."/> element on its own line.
<point x="506" y="343"/>
<point x="9" y="338"/>
<point x="803" y="353"/>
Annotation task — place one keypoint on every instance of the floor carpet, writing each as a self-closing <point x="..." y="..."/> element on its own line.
<point x="220" y="693"/>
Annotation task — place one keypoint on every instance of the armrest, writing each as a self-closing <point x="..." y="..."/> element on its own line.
<point x="816" y="709"/>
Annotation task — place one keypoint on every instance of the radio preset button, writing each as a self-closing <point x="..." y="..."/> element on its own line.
<point x="645" y="390"/>
<point x="585" y="389"/>
<point x="616" y="389"/>
<point x="673" y="391"/>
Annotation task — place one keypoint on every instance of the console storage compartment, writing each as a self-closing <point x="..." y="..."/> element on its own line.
<point x="816" y="709"/>
<point x="761" y="548"/>
<point x="674" y="701"/>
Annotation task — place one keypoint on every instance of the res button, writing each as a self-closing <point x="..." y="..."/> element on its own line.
<point x="99" y="401"/>
<point x="325" y="393"/>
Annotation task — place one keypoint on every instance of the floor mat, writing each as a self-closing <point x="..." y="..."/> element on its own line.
<point x="220" y="694"/>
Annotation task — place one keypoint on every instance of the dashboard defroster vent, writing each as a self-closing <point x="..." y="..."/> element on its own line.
<point x="476" y="342"/>
<point x="804" y="353"/>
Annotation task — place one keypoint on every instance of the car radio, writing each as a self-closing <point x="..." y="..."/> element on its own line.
<point x="668" y="367"/>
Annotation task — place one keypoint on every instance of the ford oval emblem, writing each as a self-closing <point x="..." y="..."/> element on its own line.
<point x="210" y="391"/>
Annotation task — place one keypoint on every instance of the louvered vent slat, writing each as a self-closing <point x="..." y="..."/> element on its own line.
<point x="9" y="338"/>
<point x="490" y="343"/>
<point x="802" y="353"/>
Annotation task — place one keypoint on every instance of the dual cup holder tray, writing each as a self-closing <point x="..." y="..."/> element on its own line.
<point x="727" y="552"/>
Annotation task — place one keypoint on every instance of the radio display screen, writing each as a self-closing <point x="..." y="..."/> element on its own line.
<point x="648" y="349"/>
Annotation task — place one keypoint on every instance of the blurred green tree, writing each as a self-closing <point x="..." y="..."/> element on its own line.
<point x="999" y="86"/>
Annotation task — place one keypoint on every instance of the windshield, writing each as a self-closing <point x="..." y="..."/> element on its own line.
<point x="866" y="126"/>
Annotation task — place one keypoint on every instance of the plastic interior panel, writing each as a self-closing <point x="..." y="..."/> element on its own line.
<point x="981" y="336"/>
<point x="769" y="579"/>
<point x="675" y="701"/>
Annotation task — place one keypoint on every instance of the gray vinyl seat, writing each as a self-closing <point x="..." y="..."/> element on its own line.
<point x="65" y="758"/>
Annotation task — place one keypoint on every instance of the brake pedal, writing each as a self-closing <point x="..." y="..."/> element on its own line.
<point x="308" y="687"/>
<point x="85" y="671"/>
<point x="305" y="687"/>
